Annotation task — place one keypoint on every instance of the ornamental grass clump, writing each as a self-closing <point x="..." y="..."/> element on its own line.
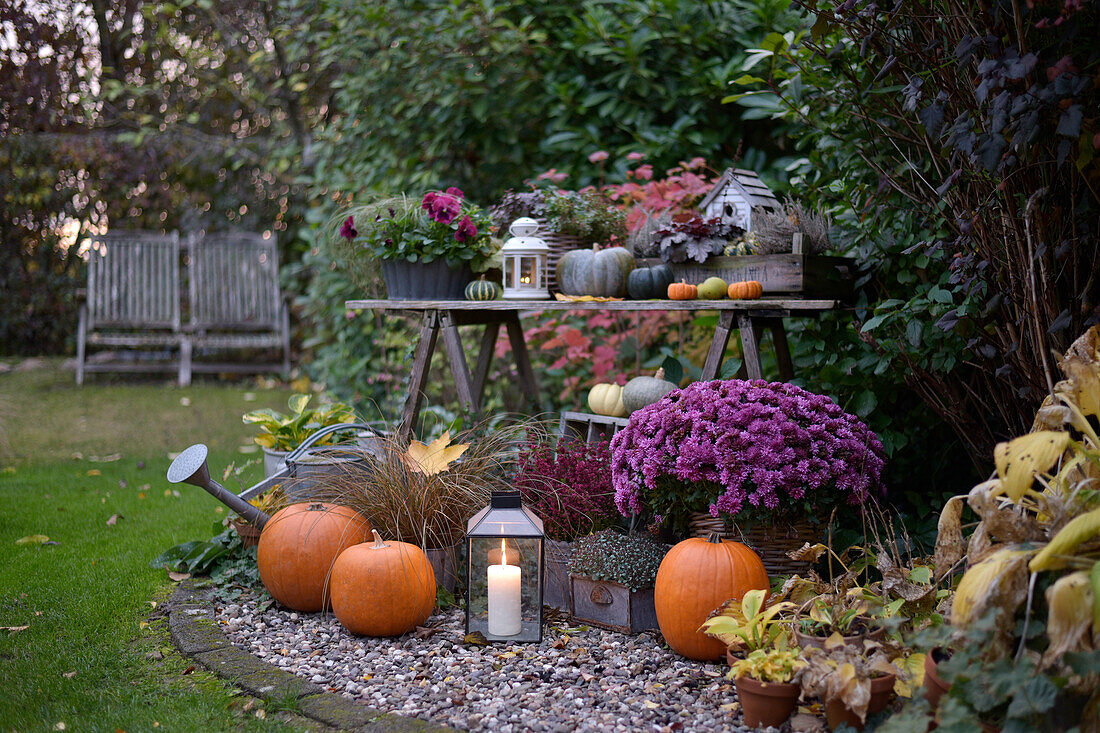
<point x="568" y="486"/>
<point x="732" y="446"/>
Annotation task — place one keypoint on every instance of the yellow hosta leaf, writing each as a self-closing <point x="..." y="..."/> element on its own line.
<point x="912" y="674"/>
<point x="1085" y="380"/>
<point x="1078" y="530"/>
<point x="435" y="457"/>
<point x="1069" y="615"/>
<point x="1000" y="579"/>
<point x="1019" y="460"/>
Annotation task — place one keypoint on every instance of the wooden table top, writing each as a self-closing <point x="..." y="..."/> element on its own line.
<point x="760" y="304"/>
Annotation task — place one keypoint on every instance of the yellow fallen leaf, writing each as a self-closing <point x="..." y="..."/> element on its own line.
<point x="141" y="494"/>
<point x="14" y="629"/>
<point x="177" y="577"/>
<point x="652" y="705"/>
<point x="436" y="456"/>
<point x="33" y="539"/>
<point x="142" y="624"/>
<point x="729" y="707"/>
<point x="7" y="469"/>
<point x="95" y="472"/>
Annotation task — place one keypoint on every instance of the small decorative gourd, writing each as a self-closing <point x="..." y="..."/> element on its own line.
<point x="382" y="588"/>
<point x="298" y="547"/>
<point x="746" y="290"/>
<point x="607" y="399"/>
<point x="682" y="291"/>
<point x="642" y="391"/>
<point x="645" y="283"/>
<point x="482" y="290"/>
<point x="596" y="272"/>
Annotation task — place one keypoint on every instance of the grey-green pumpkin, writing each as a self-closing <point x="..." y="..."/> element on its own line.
<point x="600" y="273"/>
<point x="482" y="290"/>
<point x="642" y="391"/>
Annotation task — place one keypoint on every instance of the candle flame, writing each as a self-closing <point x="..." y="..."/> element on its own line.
<point x="503" y="554"/>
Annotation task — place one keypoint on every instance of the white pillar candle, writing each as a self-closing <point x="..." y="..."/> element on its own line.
<point x="504" y="597"/>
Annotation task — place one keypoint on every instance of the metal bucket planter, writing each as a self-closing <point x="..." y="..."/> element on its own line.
<point x="613" y="606"/>
<point x="274" y="461"/>
<point x="311" y="469"/>
<point x="557" y="588"/>
<point x="424" y="281"/>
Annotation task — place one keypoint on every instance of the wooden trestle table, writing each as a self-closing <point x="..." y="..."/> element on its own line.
<point x="443" y="317"/>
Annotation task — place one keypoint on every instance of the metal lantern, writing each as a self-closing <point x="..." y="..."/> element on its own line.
<point x="525" y="262"/>
<point x="504" y="550"/>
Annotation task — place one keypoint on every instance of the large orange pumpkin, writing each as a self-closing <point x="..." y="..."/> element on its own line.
<point x="297" y="549"/>
<point x="695" y="578"/>
<point x="382" y="588"/>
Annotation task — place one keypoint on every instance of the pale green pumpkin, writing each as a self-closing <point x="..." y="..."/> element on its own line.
<point x="596" y="272"/>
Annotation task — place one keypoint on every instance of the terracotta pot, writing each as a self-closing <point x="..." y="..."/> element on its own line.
<point x="856" y="640"/>
<point x="766" y="703"/>
<point x="249" y="533"/>
<point x="934" y="686"/>
<point x="882" y="692"/>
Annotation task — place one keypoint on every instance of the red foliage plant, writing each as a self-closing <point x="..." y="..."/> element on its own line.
<point x="568" y="486"/>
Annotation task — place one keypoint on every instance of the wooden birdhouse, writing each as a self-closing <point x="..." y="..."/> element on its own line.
<point x="734" y="197"/>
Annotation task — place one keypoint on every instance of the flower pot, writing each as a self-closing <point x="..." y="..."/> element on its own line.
<point x="273" y="461"/>
<point x="315" y="467"/>
<point x="557" y="590"/>
<point x="444" y="566"/>
<point x="249" y="533"/>
<point x="766" y="703"/>
<point x="882" y="692"/>
<point x="856" y="640"/>
<point x="612" y="605"/>
<point x="425" y="281"/>
<point x="935" y="686"/>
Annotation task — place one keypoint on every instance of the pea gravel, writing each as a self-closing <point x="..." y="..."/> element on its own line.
<point x="577" y="679"/>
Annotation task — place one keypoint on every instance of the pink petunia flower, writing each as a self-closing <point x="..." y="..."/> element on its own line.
<point x="598" y="156"/>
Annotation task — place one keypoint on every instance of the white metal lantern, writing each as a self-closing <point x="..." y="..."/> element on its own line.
<point x="525" y="257"/>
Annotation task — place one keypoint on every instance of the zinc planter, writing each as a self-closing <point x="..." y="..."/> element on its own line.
<point x="612" y="605"/>
<point x="424" y="281"/>
<point x="766" y="703"/>
<point x="273" y="460"/>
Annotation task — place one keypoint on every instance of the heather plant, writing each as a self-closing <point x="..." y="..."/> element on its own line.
<point x="568" y="486"/>
<point x="733" y="447"/>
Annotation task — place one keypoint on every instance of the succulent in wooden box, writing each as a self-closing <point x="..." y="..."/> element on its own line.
<point x="627" y="559"/>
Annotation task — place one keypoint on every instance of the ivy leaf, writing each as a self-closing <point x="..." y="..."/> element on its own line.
<point x="1069" y="125"/>
<point x="1036" y="696"/>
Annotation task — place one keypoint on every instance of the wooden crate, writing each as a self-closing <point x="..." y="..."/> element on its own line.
<point x="613" y="606"/>
<point x="811" y="276"/>
<point x="588" y="427"/>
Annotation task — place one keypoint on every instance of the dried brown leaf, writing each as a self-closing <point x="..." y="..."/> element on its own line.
<point x="177" y="577"/>
<point x="14" y="629"/>
<point x="808" y="552"/>
<point x="949" y="540"/>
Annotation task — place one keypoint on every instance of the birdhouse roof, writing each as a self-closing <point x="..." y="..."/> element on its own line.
<point x="748" y="184"/>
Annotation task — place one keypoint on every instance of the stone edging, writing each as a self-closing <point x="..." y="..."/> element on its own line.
<point x="196" y="635"/>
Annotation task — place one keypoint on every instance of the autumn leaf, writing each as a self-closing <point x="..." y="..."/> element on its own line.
<point x="14" y="629"/>
<point x="177" y="577"/>
<point x="476" y="638"/>
<point x="114" y="520"/>
<point x="33" y="539"/>
<point x="1019" y="460"/>
<point x="434" y="457"/>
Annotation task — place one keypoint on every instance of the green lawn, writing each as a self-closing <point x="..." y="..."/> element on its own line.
<point x="95" y="654"/>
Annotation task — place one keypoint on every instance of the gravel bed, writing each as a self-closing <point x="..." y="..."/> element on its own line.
<point x="577" y="679"/>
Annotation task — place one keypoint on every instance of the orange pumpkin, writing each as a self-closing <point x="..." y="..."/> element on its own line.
<point x="298" y="547"/>
<point x="745" y="290"/>
<point x="382" y="588"/>
<point x="695" y="578"/>
<point x="682" y="291"/>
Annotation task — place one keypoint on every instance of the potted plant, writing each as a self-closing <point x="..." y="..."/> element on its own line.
<point x="281" y="433"/>
<point x="427" y="248"/>
<point x="612" y="576"/>
<point x="268" y="502"/>
<point x="852" y="682"/>
<point x="568" y="485"/>
<point x="767" y="456"/>
<point x="763" y="666"/>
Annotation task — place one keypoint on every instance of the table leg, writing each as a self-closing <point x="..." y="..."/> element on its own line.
<point x="718" y="346"/>
<point x="527" y="381"/>
<point x="782" y="351"/>
<point x="464" y="384"/>
<point x="429" y="330"/>
<point x="485" y="358"/>
<point x="750" y="345"/>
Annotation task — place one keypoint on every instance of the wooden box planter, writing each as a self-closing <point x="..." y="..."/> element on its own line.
<point x="588" y="427"/>
<point x="811" y="276"/>
<point x="557" y="590"/>
<point x="613" y="606"/>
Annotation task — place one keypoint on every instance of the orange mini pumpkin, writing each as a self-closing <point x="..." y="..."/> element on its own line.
<point x="695" y="578"/>
<point x="382" y="588"/>
<point x="298" y="547"/>
<point x="745" y="290"/>
<point x="682" y="291"/>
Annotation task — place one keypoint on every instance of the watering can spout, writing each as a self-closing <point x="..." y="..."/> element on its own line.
<point x="190" y="467"/>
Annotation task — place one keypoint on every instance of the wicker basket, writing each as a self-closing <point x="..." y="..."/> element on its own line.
<point x="559" y="244"/>
<point x="770" y="542"/>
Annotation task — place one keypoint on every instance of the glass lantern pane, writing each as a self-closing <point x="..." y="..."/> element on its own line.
<point x="527" y="271"/>
<point x="504" y="586"/>
<point x="509" y="272"/>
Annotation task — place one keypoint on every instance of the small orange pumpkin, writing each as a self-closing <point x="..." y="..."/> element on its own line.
<point x="745" y="290"/>
<point x="695" y="578"/>
<point x="682" y="291"/>
<point x="298" y="547"/>
<point x="382" y="588"/>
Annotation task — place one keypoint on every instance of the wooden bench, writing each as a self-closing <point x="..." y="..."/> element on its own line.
<point x="134" y="299"/>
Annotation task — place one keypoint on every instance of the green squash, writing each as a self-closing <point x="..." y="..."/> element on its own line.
<point x="596" y="272"/>
<point x="642" y="391"/>
<point x="482" y="290"/>
<point x="646" y="283"/>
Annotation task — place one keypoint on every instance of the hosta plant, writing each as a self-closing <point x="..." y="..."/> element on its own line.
<point x="749" y="623"/>
<point x="283" y="432"/>
<point x="779" y="664"/>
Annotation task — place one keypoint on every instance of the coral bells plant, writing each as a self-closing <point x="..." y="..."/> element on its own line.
<point x="568" y="486"/>
<point x="733" y="447"/>
<point x="443" y="225"/>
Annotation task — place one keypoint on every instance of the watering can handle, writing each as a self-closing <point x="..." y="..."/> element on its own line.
<point x="327" y="431"/>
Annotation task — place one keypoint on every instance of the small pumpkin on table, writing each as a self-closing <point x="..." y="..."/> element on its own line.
<point x="607" y="399"/>
<point x="596" y="272"/>
<point x="482" y="289"/>
<point x="642" y="391"/>
<point x="746" y="290"/>
<point x="682" y="290"/>
<point x="648" y="283"/>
